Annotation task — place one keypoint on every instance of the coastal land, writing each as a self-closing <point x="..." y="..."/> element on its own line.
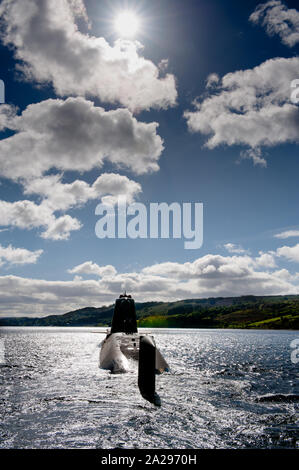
<point x="249" y="312"/>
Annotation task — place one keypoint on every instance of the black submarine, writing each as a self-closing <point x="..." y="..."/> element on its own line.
<point x="123" y="343"/>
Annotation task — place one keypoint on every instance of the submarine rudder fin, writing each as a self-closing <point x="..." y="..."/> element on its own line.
<point x="147" y="370"/>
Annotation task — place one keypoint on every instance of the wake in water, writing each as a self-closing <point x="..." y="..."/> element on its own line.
<point x="279" y="397"/>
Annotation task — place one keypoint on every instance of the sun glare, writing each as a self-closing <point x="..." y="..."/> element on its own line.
<point x="127" y="24"/>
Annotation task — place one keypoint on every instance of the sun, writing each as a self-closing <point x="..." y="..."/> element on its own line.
<point x="127" y="24"/>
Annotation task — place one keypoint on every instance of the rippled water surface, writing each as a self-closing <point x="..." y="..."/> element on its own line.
<point x="226" y="389"/>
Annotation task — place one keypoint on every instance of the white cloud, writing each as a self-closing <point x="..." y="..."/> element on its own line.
<point x="59" y="196"/>
<point x="50" y="48"/>
<point x="208" y="276"/>
<point x="62" y="196"/>
<point x="278" y="19"/>
<point x="11" y="255"/>
<point x="254" y="154"/>
<point x="60" y="228"/>
<point x="76" y="135"/>
<point x="92" y="268"/>
<point x="287" y="234"/>
<point x="250" y="107"/>
<point x="7" y="114"/>
<point x="207" y="267"/>
<point x="232" y="248"/>
<point x="39" y="297"/>
<point x="23" y="214"/>
<point x="289" y="252"/>
<point x="212" y="80"/>
<point x="215" y="275"/>
<point x="266" y="260"/>
<point x="28" y="215"/>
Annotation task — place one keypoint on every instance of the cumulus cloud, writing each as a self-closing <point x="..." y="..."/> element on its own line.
<point x="215" y="275"/>
<point x="212" y="267"/>
<point x="266" y="260"/>
<point x="76" y="135"/>
<point x="10" y="255"/>
<point x="50" y="48"/>
<point x="28" y="215"/>
<point x="60" y="228"/>
<point x="289" y="252"/>
<point x="70" y="135"/>
<point x="92" y="268"/>
<point x="59" y="196"/>
<point x="208" y="276"/>
<point x="62" y="196"/>
<point x="250" y="107"/>
<point x="287" y="234"/>
<point x="277" y="18"/>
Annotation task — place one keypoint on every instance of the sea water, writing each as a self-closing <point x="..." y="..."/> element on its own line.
<point x="225" y="389"/>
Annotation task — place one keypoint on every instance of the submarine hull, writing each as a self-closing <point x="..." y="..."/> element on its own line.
<point x="119" y="348"/>
<point x="116" y="351"/>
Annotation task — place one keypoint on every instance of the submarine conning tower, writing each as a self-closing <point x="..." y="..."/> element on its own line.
<point x="124" y="316"/>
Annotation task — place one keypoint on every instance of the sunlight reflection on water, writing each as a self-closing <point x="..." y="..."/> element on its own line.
<point x="53" y="394"/>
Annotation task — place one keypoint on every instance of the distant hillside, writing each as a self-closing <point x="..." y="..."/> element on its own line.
<point x="268" y="312"/>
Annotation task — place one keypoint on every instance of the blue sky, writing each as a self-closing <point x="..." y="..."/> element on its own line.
<point x="78" y="124"/>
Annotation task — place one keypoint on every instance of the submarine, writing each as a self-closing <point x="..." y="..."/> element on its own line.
<point x="123" y="343"/>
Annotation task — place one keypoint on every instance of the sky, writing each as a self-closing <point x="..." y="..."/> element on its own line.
<point x="196" y="106"/>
